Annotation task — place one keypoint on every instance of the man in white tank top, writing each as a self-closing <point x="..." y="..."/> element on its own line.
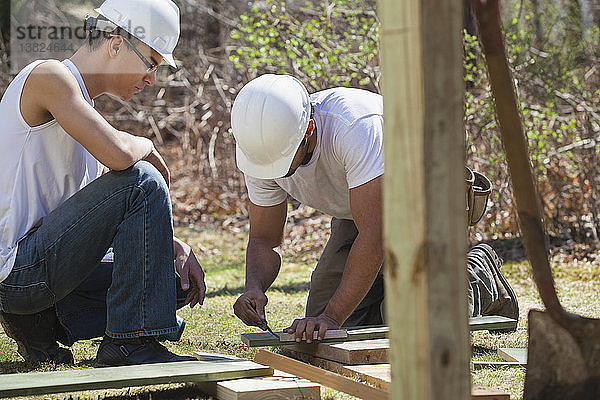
<point x="326" y="151"/>
<point x="59" y="215"/>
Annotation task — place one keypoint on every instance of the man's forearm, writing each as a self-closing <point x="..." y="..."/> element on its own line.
<point x="120" y="150"/>
<point x="262" y="265"/>
<point x="362" y="266"/>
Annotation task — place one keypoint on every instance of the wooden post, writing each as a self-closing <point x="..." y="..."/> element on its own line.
<point x="424" y="195"/>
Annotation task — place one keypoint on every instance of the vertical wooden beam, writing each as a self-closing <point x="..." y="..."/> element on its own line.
<point x="425" y="220"/>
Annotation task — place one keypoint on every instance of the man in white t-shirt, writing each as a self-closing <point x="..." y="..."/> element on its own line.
<point x="60" y="214"/>
<point x="326" y="151"/>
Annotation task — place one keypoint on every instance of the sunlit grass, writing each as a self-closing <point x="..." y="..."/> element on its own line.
<point x="214" y="328"/>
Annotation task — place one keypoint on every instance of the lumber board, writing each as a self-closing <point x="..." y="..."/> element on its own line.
<point x="379" y="375"/>
<point x="488" y="322"/>
<point x="315" y="374"/>
<point x="491" y="323"/>
<point x="215" y="357"/>
<point x="375" y="374"/>
<point x="331" y="334"/>
<point x="479" y="392"/>
<point x="377" y="378"/>
<point x="424" y="198"/>
<point x="372" y="351"/>
<point x="35" y="383"/>
<point x="518" y="355"/>
<point x="496" y="364"/>
<point x="266" y="339"/>
<point x="280" y="385"/>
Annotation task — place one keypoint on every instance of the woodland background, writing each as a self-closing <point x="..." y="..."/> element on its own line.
<point x="554" y="51"/>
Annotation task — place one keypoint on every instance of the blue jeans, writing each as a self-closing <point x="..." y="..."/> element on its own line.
<point x="82" y="313"/>
<point x="129" y="210"/>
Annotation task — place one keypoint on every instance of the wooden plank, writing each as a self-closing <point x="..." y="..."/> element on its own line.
<point x="216" y="357"/>
<point x="378" y="378"/>
<point x="331" y="334"/>
<point x="266" y="339"/>
<point x="513" y="354"/>
<point x="424" y="198"/>
<point x="484" y="393"/>
<point x="279" y="386"/>
<point x="375" y="351"/>
<point x="326" y="378"/>
<point x="35" y="383"/>
<point x="379" y="375"/>
<point x="489" y="322"/>
<point x="353" y="353"/>
<point x="496" y="364"/>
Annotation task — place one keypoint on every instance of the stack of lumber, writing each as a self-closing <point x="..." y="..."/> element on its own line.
<point x="361" y="353"/>
<point x="366" y="359"/>
<point x="337" y="376"/>
<point x="353" y="352"/>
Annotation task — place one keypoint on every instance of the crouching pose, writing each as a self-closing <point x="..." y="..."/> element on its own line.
<point x="85" y="253"/>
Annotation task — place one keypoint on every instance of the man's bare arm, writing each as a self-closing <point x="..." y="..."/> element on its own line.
<point x="262" y="261"/>
<point x="366" y="254"/>
<point x="52" y="88"/>
<point x="362" y="265"/>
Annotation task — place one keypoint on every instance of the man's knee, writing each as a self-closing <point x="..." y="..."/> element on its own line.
<point x="147" y="174"/>
<point x="145" y="177"/>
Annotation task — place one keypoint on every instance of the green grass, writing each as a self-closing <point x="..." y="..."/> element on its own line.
<point x="214" y="328"/>
<point x="578" y="286"/>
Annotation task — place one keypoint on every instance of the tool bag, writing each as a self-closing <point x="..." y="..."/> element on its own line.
<point x="478" y="189"/>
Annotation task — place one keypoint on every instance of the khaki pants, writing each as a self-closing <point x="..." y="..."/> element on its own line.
<point x="327" y="276"/>
<point x="488" y="292"/>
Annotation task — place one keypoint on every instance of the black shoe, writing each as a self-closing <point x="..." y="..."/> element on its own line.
<point x="141" y="350"/>
<point x="36" y="336"/>
<point x="507" y="304"/>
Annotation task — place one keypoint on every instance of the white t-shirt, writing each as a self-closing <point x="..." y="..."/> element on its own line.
<point x="349" y="153"/>
<point x="42" y="166"/>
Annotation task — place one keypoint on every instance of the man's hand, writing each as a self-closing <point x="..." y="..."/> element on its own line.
<point x="250" y="308"/>
<point x="308" y="325"/>
<point x="188" y="269"/>
<point x="156" y="159"/>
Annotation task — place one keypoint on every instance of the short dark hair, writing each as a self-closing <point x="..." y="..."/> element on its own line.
<point x="96" y="39"/>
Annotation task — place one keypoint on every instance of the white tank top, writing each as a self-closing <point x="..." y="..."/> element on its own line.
<point x="42" y="166"/>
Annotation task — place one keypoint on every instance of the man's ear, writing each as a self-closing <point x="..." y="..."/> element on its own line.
<point x="115" y="44"/>
<point x="311" y="129"/>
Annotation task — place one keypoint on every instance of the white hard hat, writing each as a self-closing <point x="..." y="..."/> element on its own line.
<point x="269" y="118"/>
<point x="154" y="22"/>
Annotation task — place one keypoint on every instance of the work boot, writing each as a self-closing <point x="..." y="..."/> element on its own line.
<point x="133" y="351"/>
<point x="36" y="336"/>
<point x="506" y="305"/>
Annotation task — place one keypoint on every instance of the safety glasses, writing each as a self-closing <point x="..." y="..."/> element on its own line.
<point x="149" y="66"/>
